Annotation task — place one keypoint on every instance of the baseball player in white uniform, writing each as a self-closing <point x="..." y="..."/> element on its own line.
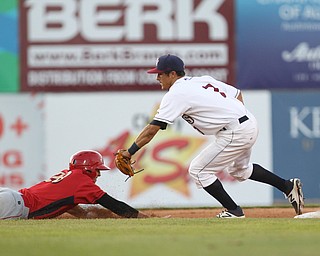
<point x="213" y="108"/>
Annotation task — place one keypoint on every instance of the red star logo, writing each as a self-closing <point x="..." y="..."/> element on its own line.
<point x="19" y="126"/>
<point x="160" y="165"/>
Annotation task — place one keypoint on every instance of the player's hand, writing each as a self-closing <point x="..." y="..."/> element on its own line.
<point x="126" y="154"/>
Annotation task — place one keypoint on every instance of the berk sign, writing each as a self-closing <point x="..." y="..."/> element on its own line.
<point x="109" y="45"/>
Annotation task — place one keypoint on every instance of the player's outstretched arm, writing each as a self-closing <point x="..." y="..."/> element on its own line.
<point x="120" y="208"/>
<point x="89" y="211"/>
<point x="78" y="212"/>
<point x="147" y="135"/>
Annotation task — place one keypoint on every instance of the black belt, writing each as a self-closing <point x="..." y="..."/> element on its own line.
<point x="241" y="120"/>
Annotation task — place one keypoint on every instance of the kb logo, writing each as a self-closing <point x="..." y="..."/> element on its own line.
<point x="305" y="121"/>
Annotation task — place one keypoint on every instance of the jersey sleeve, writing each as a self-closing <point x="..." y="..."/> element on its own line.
<point x="171" y="107"/>
<point x="162" y="125"/>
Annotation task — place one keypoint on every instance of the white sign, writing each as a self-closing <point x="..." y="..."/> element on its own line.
<point x="86" y="17"/>
<point x="22" y="153"/>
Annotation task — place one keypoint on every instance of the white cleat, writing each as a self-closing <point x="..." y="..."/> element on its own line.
<point x="295" y="196"/>
<point x="231" y="214"/>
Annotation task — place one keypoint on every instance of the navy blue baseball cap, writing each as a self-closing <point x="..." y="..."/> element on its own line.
<point x="167" y="63"/>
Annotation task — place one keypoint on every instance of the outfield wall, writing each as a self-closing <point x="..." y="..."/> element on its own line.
<point x="39" y="132"/>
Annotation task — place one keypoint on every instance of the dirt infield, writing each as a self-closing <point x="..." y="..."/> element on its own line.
<point x="209" y="213"/>
<point x="97" y="212"/>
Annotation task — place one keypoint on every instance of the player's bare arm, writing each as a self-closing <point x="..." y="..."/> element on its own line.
<point x="86" y="211"/>
<point x="78" y="212"/>
<point x="147" y="135"/>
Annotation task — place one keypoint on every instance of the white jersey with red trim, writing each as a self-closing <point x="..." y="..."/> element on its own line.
<point x="204" y="102"/>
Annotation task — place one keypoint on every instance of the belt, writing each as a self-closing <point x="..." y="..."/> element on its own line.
<point x="240" y="120"/>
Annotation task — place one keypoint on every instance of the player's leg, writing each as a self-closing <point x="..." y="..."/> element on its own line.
<point x="292" y="188"/>
<point x="203" y="168"/>
<point x="236" y="156"/>
<point x="261" y="174"/>
<point x="218" y="192"/>
<point x="12" y="205"/>
<point x="219" y="155"/>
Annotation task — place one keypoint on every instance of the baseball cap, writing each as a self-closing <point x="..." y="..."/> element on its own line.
<point x="167" y="63"/>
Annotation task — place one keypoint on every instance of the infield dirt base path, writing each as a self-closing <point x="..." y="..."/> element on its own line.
<point x="99" y="212"/>
<point x="211" y="213"/>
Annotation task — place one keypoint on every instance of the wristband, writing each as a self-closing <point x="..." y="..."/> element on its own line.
<point x="133" y="149"/>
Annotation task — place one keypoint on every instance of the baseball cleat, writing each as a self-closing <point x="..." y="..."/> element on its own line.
<point x="295" y="196"/>
<point x="231" y="214"/>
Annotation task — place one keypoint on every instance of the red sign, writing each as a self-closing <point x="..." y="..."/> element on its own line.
<point x="98" y="45"/>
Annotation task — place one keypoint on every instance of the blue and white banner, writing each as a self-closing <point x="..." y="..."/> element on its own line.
<point x="296" y="139"/>
<point x="278" y="44"/>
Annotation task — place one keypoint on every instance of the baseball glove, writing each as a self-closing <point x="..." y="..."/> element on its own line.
<point x="123" y="163"/>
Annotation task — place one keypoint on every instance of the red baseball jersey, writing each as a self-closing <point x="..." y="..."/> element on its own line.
<point x="60" y="193"/>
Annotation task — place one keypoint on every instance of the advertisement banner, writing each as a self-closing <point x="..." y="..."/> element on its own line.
<point x="22" y="153"/>
<point x="278" y="44"/>
<point x="296" y="139"/>
<point x="79" y="45"/>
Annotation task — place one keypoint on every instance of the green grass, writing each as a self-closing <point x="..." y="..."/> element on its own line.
<point x="158" y="236"/>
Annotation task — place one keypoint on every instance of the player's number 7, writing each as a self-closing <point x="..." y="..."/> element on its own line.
<point x="215" y="89"/>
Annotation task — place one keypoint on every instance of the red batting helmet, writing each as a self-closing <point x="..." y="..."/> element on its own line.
<point x="89" y="161"/>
